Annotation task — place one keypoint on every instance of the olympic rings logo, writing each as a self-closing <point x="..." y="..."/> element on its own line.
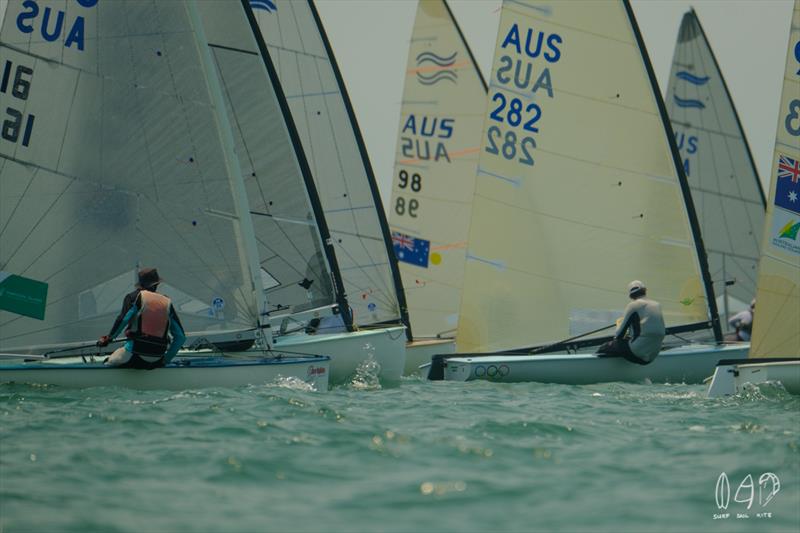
<point x="492" y="371"/>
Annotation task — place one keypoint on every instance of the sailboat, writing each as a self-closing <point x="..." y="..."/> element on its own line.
<point x="775" y="346"/>
<point x="117" y="152"/>
<point x="716" y="159"/>
<point x="332" y="159"/>
<point x="434" y="176"/>
<point x="300" y="260"/>
<point x="580" y="189"/>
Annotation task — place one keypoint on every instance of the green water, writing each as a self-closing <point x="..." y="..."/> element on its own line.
<point x="417" y="457"/>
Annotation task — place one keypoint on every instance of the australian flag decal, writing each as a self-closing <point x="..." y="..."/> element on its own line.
<point x="787" y="188"/>
<point x="411" y="250"/>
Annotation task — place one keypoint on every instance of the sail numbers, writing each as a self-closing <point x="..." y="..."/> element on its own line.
<point x="411" y="184"/>
<point x="16" y="124"/>
<point x="518" y="80"/>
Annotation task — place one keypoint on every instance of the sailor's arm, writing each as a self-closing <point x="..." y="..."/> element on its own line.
<point x="178" y="335"/>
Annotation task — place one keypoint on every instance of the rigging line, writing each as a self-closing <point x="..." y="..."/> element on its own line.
<point x="21" y="196"/>
<point x="273" y="255"/>
<point x="248" y="152"/>
<point x="698" y="56"/>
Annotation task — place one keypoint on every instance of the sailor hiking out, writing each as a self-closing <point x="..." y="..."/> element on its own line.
<point x="148" y="319"/>
<point x="640" y="333"/>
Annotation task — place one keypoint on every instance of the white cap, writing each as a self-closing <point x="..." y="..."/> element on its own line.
<point x="635" y="286"/>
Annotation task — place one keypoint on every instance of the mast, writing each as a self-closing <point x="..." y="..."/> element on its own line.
<point x="248" y="245"/>
<point x="327" y="241"/>
<point x="684" y="183"/>
<point x="373" y="186"/>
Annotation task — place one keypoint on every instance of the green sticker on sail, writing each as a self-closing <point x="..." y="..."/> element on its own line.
<point x="23" y="296"/>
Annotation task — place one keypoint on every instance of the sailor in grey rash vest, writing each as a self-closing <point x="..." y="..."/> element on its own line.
<point x="644" y="323"/>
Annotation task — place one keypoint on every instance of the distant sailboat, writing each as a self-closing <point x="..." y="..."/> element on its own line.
<point x="116" y="152"/>
<point x="726" y="190"/>
<point x="441" y="117"/>
<point x="580" y="189"/>
<point x="301" y="248"/>
<point x="775" y="346"/>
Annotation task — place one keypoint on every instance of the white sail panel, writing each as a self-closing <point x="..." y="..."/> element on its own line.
<point x="436" y="159"/>
<point x="577" y="191"/>
<point x="116" y="163"/>
<point x="716" y="157"/>
<point x="289" y="243"/>
<point x="336" y="156"/>
<point x="775" y="323"/>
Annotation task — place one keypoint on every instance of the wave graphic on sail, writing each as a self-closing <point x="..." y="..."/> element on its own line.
<point x="441" y="68"/>
<point x="266" y="5"/>
<point x="691" y="78"/>
<point x="688" y="102"/>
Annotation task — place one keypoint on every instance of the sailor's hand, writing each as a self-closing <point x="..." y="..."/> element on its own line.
<point x="103" y="341"/>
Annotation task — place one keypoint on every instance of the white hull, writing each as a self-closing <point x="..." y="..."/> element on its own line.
<point x="419" y="352"/>
<point x="687" y="364"/>
<point x="181" y="374"/>
<point x="348" y="351"/>
<point x="731" y="379"/>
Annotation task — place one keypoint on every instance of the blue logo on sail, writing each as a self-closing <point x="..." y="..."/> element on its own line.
<point x="267" y="5"/>
<point x="691" y="78"/>
<point x="433" y="68"/>
<point x="687" y="102"/>
<point x="411" y="250"/>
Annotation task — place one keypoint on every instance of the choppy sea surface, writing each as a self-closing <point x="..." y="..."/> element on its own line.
<point x="418" y="456"/>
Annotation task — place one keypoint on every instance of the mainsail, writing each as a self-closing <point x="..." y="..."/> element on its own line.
<point x="716" y="158"/>
<point x="327" y="128"/>
<point x="775" y="324"/>
<point x="580" y="188"/>
<point x="295" y="263"/>
<point x="435" y="165"/>
<point x="111" y="158"/>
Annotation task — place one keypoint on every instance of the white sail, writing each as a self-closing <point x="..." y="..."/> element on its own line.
<point x="579" y="188"/>
<point x="775" y="324"/>
<point x="725" y="186"/>
<point x="435" y="164"/>
<point x="110" y="159"/>
<point x="294" y="265"/>
<point x="336" y="155"/>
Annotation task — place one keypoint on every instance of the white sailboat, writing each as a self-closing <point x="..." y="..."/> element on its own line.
<point x="580" y="189"/>
<point x="722" y="175"/>
<point x="775" y="346"/>
<point x="308" y="252"/>
<point x="436" y="159"/>
<point x="116" y="152"/>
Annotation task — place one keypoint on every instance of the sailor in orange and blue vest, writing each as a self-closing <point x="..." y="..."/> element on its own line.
<point x="148" y="318"/>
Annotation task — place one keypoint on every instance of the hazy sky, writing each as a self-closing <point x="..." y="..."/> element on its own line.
<point x="370" y="40"/>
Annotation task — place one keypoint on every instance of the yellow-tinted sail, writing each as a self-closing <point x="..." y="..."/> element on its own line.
<point x="776" y="324"/>
<point x="434" y="175"/>
<point x="579" y="189"/>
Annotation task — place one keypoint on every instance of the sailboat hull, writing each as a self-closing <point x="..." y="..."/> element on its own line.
<point x="687" y="364"/>
<point x="730" y="379"/>
<point x="420" y="352"/>
<point x="352" y="351"/>
<point x="181" y="374"/>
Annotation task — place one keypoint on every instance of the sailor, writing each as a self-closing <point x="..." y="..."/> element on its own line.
<point x="147" y="318"/>
<point x="644" y="324"/>
<point x="742" y="322"/>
